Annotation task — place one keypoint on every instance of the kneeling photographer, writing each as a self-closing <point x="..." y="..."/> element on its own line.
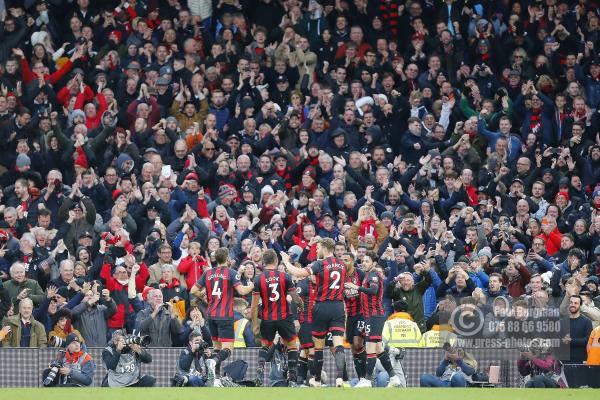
<point x="538" y="366"/>
<point x="123" y="358"/>
<point x="194" y="367"/>
<point x="73" y="367"/>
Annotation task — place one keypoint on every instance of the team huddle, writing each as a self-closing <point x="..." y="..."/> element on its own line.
<point x="331" y="299"/>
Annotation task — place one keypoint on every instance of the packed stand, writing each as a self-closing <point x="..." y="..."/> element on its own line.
<point x="453" y="148"/>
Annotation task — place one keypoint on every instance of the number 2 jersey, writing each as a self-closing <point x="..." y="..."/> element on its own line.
<point x="330" y="275"/>
<point x="273" y="287"/>
<point x="371" y="303"/>
<point x="220" y="283"/>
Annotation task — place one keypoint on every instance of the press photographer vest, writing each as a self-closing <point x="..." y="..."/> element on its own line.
<point x="127" y="371"/>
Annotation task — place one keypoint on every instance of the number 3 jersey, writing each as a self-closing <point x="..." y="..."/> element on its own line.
<point x="273" y="287"/>
<point x="220" y="285"/>
<point x="330" y="275"/>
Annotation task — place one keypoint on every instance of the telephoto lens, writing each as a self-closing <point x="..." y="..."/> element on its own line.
<point x="54" y="367"/>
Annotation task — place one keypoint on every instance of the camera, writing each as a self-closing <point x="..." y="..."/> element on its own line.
<point x="138" y="256"/>
<point x="57" y="342"/>
<point x="143" y="341"/>
<point x="54" y="367"/>
<point x="180" y="380"/>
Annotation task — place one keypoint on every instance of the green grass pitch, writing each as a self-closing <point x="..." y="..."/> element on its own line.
<point x="297" y="394"/>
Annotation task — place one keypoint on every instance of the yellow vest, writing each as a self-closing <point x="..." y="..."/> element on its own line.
<point x="401" y="331"/>
<point x="593" y="347"/>
<point x="437" y="336"/>
<point x="238" y="328"/>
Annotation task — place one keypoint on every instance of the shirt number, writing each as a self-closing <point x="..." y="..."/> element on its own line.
<point x="335" y="275"/>
<point x="216" y="292"/>
<point x="274" y="293"/>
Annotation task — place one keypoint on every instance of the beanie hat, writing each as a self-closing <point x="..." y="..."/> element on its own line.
<point x="485" y="252"/>
<point x="23" y="160"/>
<point x="71" y="337"/>
<point x="564" y="194"/>
<point x="225" y="191"/>
<point x="519" y="246"/>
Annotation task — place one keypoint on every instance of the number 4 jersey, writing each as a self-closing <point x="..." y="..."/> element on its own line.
<point x="220" y="284"/>
<point x="273" y="286"/>
<point x="330" y="275"/>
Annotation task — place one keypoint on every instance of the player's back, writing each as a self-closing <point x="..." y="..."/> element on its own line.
<point x="220" y="285"/>
<point x="330" y="274"/>
<point x="273" y="287"/>
<point x="306" y="291"/>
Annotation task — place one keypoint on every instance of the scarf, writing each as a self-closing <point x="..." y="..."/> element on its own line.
<point x="535" y="123"/>
<point x="367" y="227"/>
<point x="174" y="283"/>
<point x="286" y="176"/>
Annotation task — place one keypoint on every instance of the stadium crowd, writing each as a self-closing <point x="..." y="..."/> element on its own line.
<point x="453" y="147"/>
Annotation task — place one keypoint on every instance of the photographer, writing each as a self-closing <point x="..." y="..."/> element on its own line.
<point x="539" y="368"/>
<point x="194" y="368"/>
<point x="72" y="368"/>
<point x="123" y="363"/>
<point x="159" y="320"/>
<point x="455" y="370"/>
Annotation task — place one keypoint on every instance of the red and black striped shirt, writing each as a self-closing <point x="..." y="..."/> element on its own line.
<point x="307" y="293"/>
<point x="220" y="283"/>
<point x="273" y="287"/>
<point x="371" y="303"/>
<point x="330" y="275"/>
<point x="352" y="296"/>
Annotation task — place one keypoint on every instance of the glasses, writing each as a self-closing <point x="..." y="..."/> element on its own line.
<point x="209" y="148"/>
<point x="518" y="56"/>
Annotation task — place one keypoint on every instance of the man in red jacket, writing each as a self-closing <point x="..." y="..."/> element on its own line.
<point x="117" y="283"/>
<point x="550" y="234"/>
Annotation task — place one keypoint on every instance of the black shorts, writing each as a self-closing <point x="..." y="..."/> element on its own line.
<point x="355" y="326"/>
<point x="305" y="335"/>
<point x="329" y="316"/>
<point x="221" y="330"/>
<point x="285" y="328"/>
<point x="374" y="328"/>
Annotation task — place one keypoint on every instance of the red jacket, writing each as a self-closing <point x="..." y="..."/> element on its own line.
<point x="28" y="74"/>
<point x="192" y="269"/>
<point x="552" y="241"/>
<point x="119" y="293"/>
<point x="87" y="95"/>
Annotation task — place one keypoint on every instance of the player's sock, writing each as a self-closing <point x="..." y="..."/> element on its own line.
<point x="302" y="370"/>
<point x="292" y="365"/>
<point x="311" y="365"/>
<point x="318" y="364"/>
<point x="340" y="361"/>
<point x="384" y="358"/>
<point x="345" y="373"/>
<point x="360" y="360"/>
<point x="370" y="367"/>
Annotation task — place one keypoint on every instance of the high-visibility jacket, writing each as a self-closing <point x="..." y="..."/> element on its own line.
<point x="437" y="336"/>
<point x="401" y="331"/>
<point x="593" y="347"/>
<point x="238" y="328"/>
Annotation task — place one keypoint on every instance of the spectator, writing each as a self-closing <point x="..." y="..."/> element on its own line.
<point x="24" y="330"/>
